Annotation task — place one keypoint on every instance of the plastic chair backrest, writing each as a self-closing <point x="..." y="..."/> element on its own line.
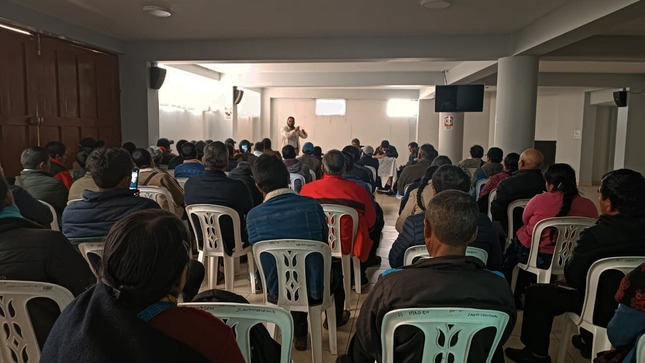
<point x="208" y="216"/>
<point x="519" y="203"/>
<point x="73" y="201"/>
<point x="242" y="317"/>
<point x="55" y="226"/>
<point x="91" y="247"/>
<point x="414" y="252"/>
<point x="182" y="181"/>
<point x="19" y="343"/>
<point x="373" y="170"/>
<point x="640" y="350"/>
<point x="290" y="257"/>
<point x="297" y="182"/>
<point x="333" y="215"/>
<point x="160" y="195"/>
<point x="453" y="327"/>
<point x="479" y="186"/>
<point x="313" y="174"/>
<point x="477" y="252"/>
<point x="491" y="197"/>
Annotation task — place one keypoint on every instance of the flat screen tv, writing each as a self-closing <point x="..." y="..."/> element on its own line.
<point x="464" y="98"/>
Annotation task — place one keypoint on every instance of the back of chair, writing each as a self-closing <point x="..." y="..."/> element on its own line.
<point x="208" y="216"/>
<point x="479" y="186"/>
<point x="313" y="174"/>
<point x="160" y="195"/>
<point x="73" y="201"/>
<point x="333" y="215"/>
<point x="297" y="182"/>
<point x="55" y="226"/>
<point x="290" y="255"/>
<point x="242" y="317"/>
<point x="448" y="331"/>
<point x="95" y="248"/>
<point x="510" y="211"/>
<point x="19" y="343"/>
<point x="182" y="181"/>
<point x="640" y="350"/>
<point x="373" y="170"/>
<point x="414" y="252"/>
<point x="477" y="252"/>
<point x="491" y="197"/>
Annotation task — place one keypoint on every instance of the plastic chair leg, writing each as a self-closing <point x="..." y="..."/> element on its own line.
<point x="600" y="341"/>
<point x="229" y="273"/>
<point x="357" y="274"/>
<point x="251" y="262"/>
<point x="567" y="332"/>
<point x="213" y="269"/>
<point x="315" y="325"/>
<point x="516" y="271"/>
<point x="347" y="279"/>
<point x="331" y="325"/>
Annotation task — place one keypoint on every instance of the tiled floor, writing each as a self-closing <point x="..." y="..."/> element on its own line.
<point x="390" y="208"/>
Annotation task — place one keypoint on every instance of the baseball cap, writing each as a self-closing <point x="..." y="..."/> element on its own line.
<point x="230" y="141"/>
<point x="165" y="143"/>
<point x="308" y="147"/>
<point x="91" y="143"/>
<point x="368" y="150"/>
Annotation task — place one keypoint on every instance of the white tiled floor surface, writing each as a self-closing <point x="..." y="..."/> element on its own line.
<point x="390" y="207"/>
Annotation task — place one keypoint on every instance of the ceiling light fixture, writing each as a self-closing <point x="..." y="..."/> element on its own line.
<point x="156" y="11"/>
<point x="15" y="29"/>
<point x="434" y="4"/>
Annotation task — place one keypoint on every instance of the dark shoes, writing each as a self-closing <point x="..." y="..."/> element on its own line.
<point x="373" y="261"/>
<point x="343" y="358"/>
<point x="340" y="321"/>
<point x="525" y="356"/>
<point x="582" y="346"/>
<point x="300" y="343"/>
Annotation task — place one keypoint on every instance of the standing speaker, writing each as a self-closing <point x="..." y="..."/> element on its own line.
<point x="157" y="76"/>
<point x="620" y="97"/>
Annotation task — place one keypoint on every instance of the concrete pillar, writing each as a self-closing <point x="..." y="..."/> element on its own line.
<point x="634" y="147"/>
<point x="516" y="103"/>
<point x="451" y="135"/>
<point x="427" y="126"/>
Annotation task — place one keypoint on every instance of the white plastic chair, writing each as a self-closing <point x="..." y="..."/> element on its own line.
<point x="491" y="197"/>
<point x="568" y="231"/>
<point x="458" y="326"/>
<point x="296" y="178"/>
<point x="19" y="343"/>
<point x="73" y="201"/>
<point x="519" y="203"/>
<point x="477" y="252"/>
<point x="421" y="251"/>
<point x="182" y="181"/>
<point x="290" y="255"/>
<point x="160" y="195"/>
<point x="333" y="215"/>
<point x="55" y="226"/>
<point x="313" y="174"/>
<point x="640" y="350"/>
<point x="212" y="246"/>
<point x="479" y="186"/>
<point x="373" y="170"/>
<point x="91" y="247"/>
<point x="585" y="319"/>
<point x="242" y="317"/>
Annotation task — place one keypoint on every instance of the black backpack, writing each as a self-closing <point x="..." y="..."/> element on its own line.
<point x="263" y="348"/>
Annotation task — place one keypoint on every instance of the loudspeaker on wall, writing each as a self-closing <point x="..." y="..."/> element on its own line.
<point x="237" y="95"/>
<point x="157" y="76"/>
<point x="620" y="97"/>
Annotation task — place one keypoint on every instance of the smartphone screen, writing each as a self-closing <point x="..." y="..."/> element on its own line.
<point x="245" y="148"/>
<point x="134" y="182"/>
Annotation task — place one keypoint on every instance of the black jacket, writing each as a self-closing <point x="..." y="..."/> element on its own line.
<point x="523" y="184"/>
<point x="369" y="161"/>
<point x="30" y="207"/>
<point x="244" y="174"/>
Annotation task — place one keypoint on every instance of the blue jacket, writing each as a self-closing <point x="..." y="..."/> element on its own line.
<point x="98" y="211"/>
<point x="290" y="215"/>
<point x="189" y="170"/>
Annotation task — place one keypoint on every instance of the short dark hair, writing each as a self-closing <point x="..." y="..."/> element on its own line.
<point x="130" y="146"/>
<point x="334" y="162"/>
<point x="231" y="150"/>
<point x="510" y="162"/>
<point x="453" y="216"/>
<point x="181" y="143"/>
<point x="32" y="156"/>
<point x="144" y="257"/>
<point x="270" y="173"/>
<point x="267" y="143"/>
<point x="288" y="152"/>
<point x="441" y="160"/>
<point x="142" y="158"/>
<point x="414" y="145"/>
<point x="495" y="154"/>
<point x="385" y="144"/>
<point x="55" y="148"/>
<point x="216" y="155"/>
<point x="450" y="177"/>
<point x="353" y="152"/>
<point x="428" y="152"/>
<point x="200" y="145"/>
<point x="188" y="151"/>
<point x="476" y="151"/>
<point x="109" y="165"/>
<point x="625" y="189"/>
<point x="349" y="161"/>
<point x="258" y="146"/>
<point x="317" y="151"/>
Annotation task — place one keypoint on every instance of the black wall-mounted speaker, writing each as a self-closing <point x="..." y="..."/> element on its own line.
<point x="237" y="95"/>
<point x="620" y="97"/>
<point x="157" y="76"/>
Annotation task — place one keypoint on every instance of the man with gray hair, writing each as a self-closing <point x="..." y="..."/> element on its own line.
<point x="214" y="187"/>
<point x="448" y="279"/>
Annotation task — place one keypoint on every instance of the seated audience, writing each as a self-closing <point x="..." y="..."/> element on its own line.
<point x="131" y="315"/>
<point x="367" y="159"/>
<point x="510" y="167"/>
<point x="356" y="143"/>
<point x="267" y="148"/>
<point x="446" y="177"/>
<point x="449" y="279"/>
<point x="58" y="155"/>
<point x="386" y="150"/>
<point x="413" y="173"/>
<point x="167" y="150"/>
<point x="232" y="161"/>
<point x="294" y="166"/>
<point x="213" y="187"/>
<point x="148" y="176"/>
<point x="228" y="141"/>
<point x="309" y="160"/>
<point x="318" y="154"/>
<point x="36" y="179"/>
<point x="30" y="208"/>
<point x="177" y="160"/>
<point x="191" y="166"/>
<point x="357" y="169"/>
<point x="475" y="160"/>
<point x="258" y="149"/>
<point x="413" y="148"/>
<point x="86" y="146"/>
<point x="86" y="182"/>
<point x="492" y="166"/>
<point x="286" y="215"/>
<point x="130" y="146"/>
<point x="246" y="152"/>
<point x="619" y="231"/>
<point x="96" y="213"/>
<point x="244" y="173"/>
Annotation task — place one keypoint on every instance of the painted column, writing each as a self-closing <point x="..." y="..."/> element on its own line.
<point x="451" y="135"/>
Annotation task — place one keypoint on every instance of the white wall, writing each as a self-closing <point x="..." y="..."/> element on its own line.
<point x="176" y="124"/>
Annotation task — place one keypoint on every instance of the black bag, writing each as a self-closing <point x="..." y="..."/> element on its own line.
<point x="263" y="348"/>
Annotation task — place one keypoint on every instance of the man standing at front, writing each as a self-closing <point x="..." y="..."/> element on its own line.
<point x="291" y="134"/>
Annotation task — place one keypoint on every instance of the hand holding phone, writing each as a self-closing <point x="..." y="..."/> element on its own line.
<point x="134" y="180"/>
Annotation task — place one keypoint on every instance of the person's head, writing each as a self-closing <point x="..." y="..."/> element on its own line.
<point x="231" y="151"/>
<point x="308" y="148"/>
<point x="200" y="145"/>
<point x="510" y="162"/>
<point x="530" y="159"/>
<point x="427" y="152"/>
<point x="90" y="143"/>
<point x="385" y="145"/>
<point x="333" y="163"/>
<point x="349" y="160"/>
<point x="495" y="155"/>
<point x="188" y="151"/>
<point x="181" y="143"/>
<point x="288" y="152"/>
<point x="130" y="146"/>
<point x="57" y="150"/>
<point x="270" y="174"/>
<point x="427" y="177"/>
<point x="450" y="177"/>
<point x="476" y="151"/>
<point x="356" y="143"/>
<point x="165" y="143"/>
<point x="111" y="167"/>
<point x="259" y="146"/>
<point x="36" y="158"/>
<point x="317" y="151"/>
<point x="562" y="178"/>
<point x="441" y="160"/>
<point x="228" y="141"/>
<point x="142" y="158"/>
<point x="622" y="191"/>
<point x="291" y="121"/>
<point x="353" y="152"/>
<point x="145" y="258"/>
<point x="413" y="147"/>
<point x="245" y="146"/>
<point x="267" y="143"/>
<point x="156" y="153"/>
<point x="368" y="150"/>
<point x="450" y="223"/>
<point x="216" y="156"/>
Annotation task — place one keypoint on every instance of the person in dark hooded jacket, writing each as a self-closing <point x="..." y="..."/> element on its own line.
<point x="243" y="173"/>
<point x="295" y="166"/>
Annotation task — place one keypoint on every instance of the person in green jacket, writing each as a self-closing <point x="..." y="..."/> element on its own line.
<point x="36" y="179"/>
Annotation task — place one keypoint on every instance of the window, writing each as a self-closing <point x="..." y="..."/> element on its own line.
<point x="402" y="108"/>
<point x="330" y="107"/>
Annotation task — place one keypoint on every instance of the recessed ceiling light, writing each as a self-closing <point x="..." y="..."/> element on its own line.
<point x="434" y="4"/>
<point x="157" y="11"/>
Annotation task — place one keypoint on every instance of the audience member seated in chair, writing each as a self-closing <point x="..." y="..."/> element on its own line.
<point x="30" y="207"/>
<point x="191" y="166"/>
<point x="36" y="179"/>
<point x="58" y="156"/>
<point x="619" y="231"/>
<point x="31" y="253"/>
<point x="214" y="187"/>
<point x="131" y="315"/>
<point x="244" y="173"/>
<point x="96" y="213"/>
<point x="474" y="161"/>
<point x="177" y="160"/>
<point x="510" y="167"/>
<point x="148" y="176"/>
<point x="492" y="166"/>
<point x="447" y="177"/>
<point x="285" y="214"/>
<point x="415" y="172"/>
<point x="309" y="160"/>
<point x="84" y="182"/>
<point x="294" y="165"/>
<point x="357" y="169"/>
<point x="448" y="279"/>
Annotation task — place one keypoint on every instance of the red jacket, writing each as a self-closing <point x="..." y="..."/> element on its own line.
<point x="337" y="190"/>
<point x="59" y="171"/>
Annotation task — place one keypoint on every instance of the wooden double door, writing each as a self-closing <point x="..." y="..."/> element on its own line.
<point x="54" y="90"/>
